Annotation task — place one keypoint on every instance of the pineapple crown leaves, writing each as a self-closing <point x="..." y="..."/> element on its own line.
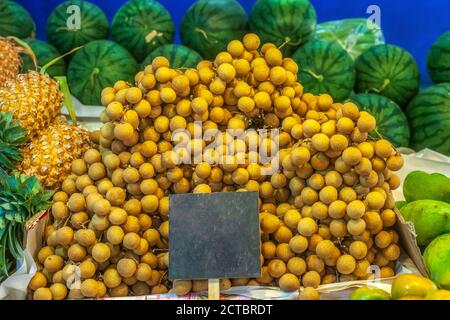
<point x="12" y="136"/>
<point x="25" y="48"/>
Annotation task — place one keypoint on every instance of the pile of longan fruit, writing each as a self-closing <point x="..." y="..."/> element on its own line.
<point x="325" y="215"/>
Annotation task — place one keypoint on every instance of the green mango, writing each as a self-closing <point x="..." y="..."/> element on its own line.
<point x="437" y="260"/>
<point x="431" y="218"/>
<point x="370" y="293"/>
<point x="421" y="185"/>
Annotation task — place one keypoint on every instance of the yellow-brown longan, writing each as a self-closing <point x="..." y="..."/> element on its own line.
<point x="346" y="264"/>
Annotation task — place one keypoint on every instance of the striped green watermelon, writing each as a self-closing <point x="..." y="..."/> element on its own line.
<point x="286" y="23"/>
<point x="389" y="71"/>
<point x="392" y="123"/>
<point x="15" y="20"/>
<point x="325" y="67"/>
<point x="141" y="26"/>
<point x="45" y="53"/>
<point x="208" y="26"/>
<point x="429" y="118"/>
<point x="439" y="59"/>
<point x="97" y="65"/>
<point x="74" y="23"/>
<point x="178" y="55"/>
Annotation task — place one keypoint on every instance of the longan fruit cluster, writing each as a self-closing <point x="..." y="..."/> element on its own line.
<point x="325" y="215"/>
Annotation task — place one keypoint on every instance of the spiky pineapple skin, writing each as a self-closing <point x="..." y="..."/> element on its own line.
<point x="9" y="61"/>
<point x="33" y="98"/>
<point x="49" y="155"/>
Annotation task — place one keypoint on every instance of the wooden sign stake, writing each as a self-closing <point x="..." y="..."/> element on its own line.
<point x="213" y="289"/>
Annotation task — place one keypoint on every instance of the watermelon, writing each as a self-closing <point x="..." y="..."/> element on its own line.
<point x="392" y="123"/>
<point x="439" y="59"/>
<point x="286" y="23"/>
<point x="208" y="26"/>
<point x="389" y="71"/>
<point x="429" y="118"/>
<point x="16" y="21"/>
<point x="45" y="53"/>
<point x="351" y="34"/>
<point x="141" y="26"/>
<point x="65" y="31"/>
<point x="178" y="55"/>
<point x="324" y="67"/>
<point x="97" y="65"/>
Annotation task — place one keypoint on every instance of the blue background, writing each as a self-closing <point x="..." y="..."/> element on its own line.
<point x="411" y="24"/>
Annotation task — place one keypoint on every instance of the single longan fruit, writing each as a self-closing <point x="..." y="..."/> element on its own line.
<point x="309" y="293"/>
<point x="64" y="236"/>
<point x="53" y="263"/>
<point x="319" y="210"/>
<point x="182" y="287"/>
<point x="270" y="223"/>
<point x="389" y="217"/>
<point x="325" y="249"/>
<point x="347" y="194"/>
<point x="268" y="249"/>
<point x="358" y="250"/>
<point x="392" y="252"/>
<point x="101" y="252"/>
<point x="283" y="234"/>
<point x="289" y="282"/>
<point x="315" y="263"/>
<point x="366" y="122"/>
<point x="236" y="48"/>
<point x="284" y="252"/>
<point x="337" y="209"/>
<point x="38" y="281"/>
<point x="60" y="210"/>
<point x="351" y="156"/>
<point x="79" y="167"/>
<point x="387" y="272"/>
<point x="328" y="194"/>
<point x="356" y="209"/>
<point x="291" y="218"/>
<point x="375" y="200"/>
<point x="311" y="279"/>
<point x="356" y="226"/>
<point x="115" y="235"/>
<point x="338" y="228"/>
<point x="76" y="252"/>
<point x="307" y="227"/>
<point x="42" y="294"/>
<point x="251" y="41"/>
<point x="85" y="237"/>
<point x="89" y="288"/>
<point x="383" y="148"/>
<point x="346" y="264"/>
<point x="395" y="162"/>
<point x="298" y="244"/>
<point x="126" y="267"/>
<point x="59" y="291"/>
<point x="112" y="278"/>
<point x="276" y="268"/>
<point x="87" y="269"/>
<point x="383" y="239"/>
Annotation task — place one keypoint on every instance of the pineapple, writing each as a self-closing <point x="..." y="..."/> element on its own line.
<point x="9" y="60"/>
<point x="49" y="155"/>
<point x="33" y="98"/>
